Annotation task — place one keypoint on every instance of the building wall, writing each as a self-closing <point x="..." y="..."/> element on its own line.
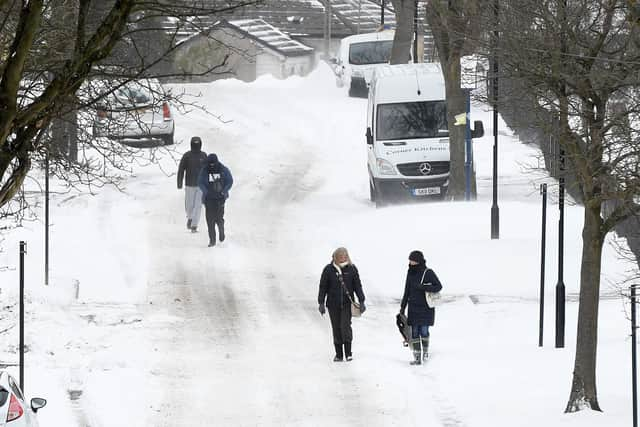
<point x="201" y="53"/>
<point x="247" y="60"/>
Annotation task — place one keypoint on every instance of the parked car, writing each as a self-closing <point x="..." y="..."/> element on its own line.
<point x="135" y="112"/>
<point x="14" y="411"/>
<point x="358" y="56"/>
<point x="407" y="133"/>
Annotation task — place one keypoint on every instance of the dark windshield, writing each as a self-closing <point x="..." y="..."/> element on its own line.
<point x="376" y="52"/>
<point x="412" y="120"/>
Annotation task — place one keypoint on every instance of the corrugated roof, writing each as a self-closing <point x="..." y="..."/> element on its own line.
<point x="271" y="37"/>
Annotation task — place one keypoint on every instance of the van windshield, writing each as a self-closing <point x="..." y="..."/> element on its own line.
<point x="411" y="120"/>
<point x="376" y="52"/>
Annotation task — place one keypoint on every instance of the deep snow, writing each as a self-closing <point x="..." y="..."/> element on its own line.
<point x="166" y="331"/>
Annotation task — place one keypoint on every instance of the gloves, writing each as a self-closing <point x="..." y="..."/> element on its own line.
<point x="321" y="309"/>
<point x="179" y="187"/>
<point x="225" y="195"/>
<point x="363" y="307"/>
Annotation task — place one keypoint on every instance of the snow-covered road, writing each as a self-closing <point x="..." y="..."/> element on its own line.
<point x="169" y="332"/>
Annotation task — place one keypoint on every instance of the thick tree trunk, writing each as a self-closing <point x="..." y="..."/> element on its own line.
<point x="456" y="104"/>
<point x="401" y="50"/>
<point x="583" y="389"/>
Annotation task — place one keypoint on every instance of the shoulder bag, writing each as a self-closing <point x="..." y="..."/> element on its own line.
<point x="355" y="307"/>
<point x="434" y="299"/>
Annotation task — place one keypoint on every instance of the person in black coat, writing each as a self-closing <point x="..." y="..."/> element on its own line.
<point x="190" y="165"/>
<point x="339" y="285"/>
<point x="420" y="279"/>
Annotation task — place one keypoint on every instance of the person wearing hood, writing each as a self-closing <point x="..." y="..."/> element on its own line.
<point x="190" y="165"/>
<point x="215" y="181"/>
<point x="339" y="285"/>
<point x="420" y="279"/>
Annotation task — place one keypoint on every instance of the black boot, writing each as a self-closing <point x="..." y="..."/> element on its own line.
<point x="425" y="348"/>
<point x="347" y="351"/>
<point x="417" y="352"/>
<point x="189" y="224"/>
<point x="221" y="231"/>
<point x="339" y="354"/>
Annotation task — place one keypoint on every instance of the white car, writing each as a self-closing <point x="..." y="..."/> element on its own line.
<point x="14" y="411"/>
<point x="135" y="112"/>
<point x="358" y="57"/>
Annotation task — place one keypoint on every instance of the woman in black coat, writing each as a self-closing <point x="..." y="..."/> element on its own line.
<point x="338" y="299"/>
<point x="420" y="279"/>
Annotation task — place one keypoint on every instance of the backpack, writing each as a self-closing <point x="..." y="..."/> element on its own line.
<point x="214" y="184"/>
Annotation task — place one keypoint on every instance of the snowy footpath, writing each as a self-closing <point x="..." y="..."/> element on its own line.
<point x="144" y="325"/>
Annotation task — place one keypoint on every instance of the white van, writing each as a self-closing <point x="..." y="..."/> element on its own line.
<point x="407" y="133"/>
<point x="357" y="58"/>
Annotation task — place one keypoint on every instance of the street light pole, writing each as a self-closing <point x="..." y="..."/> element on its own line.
<point x="23" y="251"/>
<point x="46" y="218"/>
<point x="543" y="245"/>
<point x="560" y="288"/>
<point x="382" y="15"/>
<point x="495" y="210"/>
<point x="634" y="373"/>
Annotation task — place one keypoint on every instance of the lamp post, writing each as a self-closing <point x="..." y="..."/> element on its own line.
<point x="382" y="15"/>
<point x="634" y="373"/>
<point x="495" y="210"/>
<point x="543" y="244"/>
<point x="23" y="251"/>
<point x="560" y="289"/>
<point x="46" y="218"/>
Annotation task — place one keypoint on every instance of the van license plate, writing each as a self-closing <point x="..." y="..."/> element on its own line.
<point x="426" y="191"/>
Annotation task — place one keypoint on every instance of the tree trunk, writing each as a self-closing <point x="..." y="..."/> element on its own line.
<point x="583" y="388"/>
<point x="456" y="104"/>
<point x="401" y="50"/>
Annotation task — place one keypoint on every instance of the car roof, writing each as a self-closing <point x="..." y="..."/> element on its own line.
<point x="408" y="83"/>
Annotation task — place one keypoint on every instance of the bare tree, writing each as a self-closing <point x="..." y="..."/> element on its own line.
<point x="55" y="57"/>
<point x="455" y="28"/>
<point x="455" y="25"/>
<point x="579" y="62"/>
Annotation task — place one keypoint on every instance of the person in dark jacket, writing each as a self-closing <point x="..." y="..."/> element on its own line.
<point x="339" y="285"/>
<point x="190" y="164"/>
<point x="215" y="181"/>
<point x="420" y="279"/>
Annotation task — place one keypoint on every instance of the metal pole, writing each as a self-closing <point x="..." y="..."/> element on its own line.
<point x="495" y="210"/>
<point x="560" y="290"/>
<point x="359" y="14"/>
<point x="382" y="15"/>
<point x="329" y="28"/>
<point x="634" y="380"/>
<point x="543" y="191"/>
<point x="46" y="219"/>
<point x="23" y="251"/>
<point x="468" y="147"/>
<point x="415" y="31"/>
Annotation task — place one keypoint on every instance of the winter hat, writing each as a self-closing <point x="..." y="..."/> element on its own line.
<point x="196" y="143"/>
<point x="212" y="158"/>
<point x="417" y="256"/>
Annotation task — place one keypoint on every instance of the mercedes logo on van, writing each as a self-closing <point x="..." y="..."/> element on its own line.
<point x="425" y="168"/>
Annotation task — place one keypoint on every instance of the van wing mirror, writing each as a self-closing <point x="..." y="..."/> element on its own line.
<point x="478" y="129"/>
<point x="369" y="137"/>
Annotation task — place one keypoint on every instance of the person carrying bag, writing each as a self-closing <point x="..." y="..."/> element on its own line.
<point x="339" y="284"/>
<point x="420" y="281"/>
